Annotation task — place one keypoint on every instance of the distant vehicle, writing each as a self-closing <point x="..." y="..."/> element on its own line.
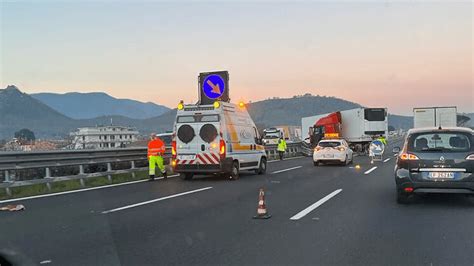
<point x="357" y="126"/>
<point x="289" y="133"/>
<point x="332" y="151"/>
<point x="167" y="138"/>
<point x="271" y="136"/>
<point x="219" y="138"/>
<point x="435" y="160"/>
<point x="434" y="117"/>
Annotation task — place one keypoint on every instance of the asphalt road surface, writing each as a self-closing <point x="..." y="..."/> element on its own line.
<point x="327" y="215"/>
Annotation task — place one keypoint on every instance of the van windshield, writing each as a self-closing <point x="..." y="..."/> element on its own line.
<point x="197" y="118"/>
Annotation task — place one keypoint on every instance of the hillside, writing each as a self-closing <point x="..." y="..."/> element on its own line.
<point x="289" y="111"/>
<point x="19" y="110"/>
<point x="91" y="105"/>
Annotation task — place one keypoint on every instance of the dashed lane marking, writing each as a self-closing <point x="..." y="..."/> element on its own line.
<point x="155" y="200"/>
<point x="386" y="160"/>
<point x="370" y="170"/>
<point x="318" y="203"/>
<point x="285" y="170"/>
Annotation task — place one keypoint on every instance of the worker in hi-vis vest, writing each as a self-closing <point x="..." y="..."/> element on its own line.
<point x="281" y="147"/>
<point x="156" y="150"/>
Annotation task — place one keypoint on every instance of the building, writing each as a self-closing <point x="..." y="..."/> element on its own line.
<point x="103" y="137"/>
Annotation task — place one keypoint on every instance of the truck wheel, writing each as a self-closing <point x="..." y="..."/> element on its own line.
<point x="187" y="176"/>
<point x="315" y="163"/>
<point x="234" y="173"/>
<point x="262" y="169"/>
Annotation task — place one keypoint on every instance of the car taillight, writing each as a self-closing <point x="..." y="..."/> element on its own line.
<point x="222" y="148"/>
<point x="409" y="157"/>
<point x="173" y="149"/>
<point x="470" y="157"/>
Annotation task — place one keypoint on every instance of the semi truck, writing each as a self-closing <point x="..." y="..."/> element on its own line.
<point x="357" y="126"/>
<point x="435" y="117"/>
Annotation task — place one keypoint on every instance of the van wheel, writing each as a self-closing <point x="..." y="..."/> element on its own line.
<point x="262" y="169"/>
<point x="315" y="163"/>
<point x="234" y="173"/>
<point x="187" y="176"/>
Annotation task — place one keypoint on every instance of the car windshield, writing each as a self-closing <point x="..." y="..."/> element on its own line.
<point x="440" y="142"/>
<point x="326" y="144"/>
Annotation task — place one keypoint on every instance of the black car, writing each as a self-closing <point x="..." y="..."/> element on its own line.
<point x="435" y="160"/>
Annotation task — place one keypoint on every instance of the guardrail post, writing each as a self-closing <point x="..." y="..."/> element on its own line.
<point x="48" y="173"/>
<point x="7" y="176"/>
<point x="81" y="169"/>
<point x="132" y="165"/>
<point x="109" y="167"/>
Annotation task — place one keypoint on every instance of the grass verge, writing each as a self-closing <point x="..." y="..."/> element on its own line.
<point x="39" y="189"/>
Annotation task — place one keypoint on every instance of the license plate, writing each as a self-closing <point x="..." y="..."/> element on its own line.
<point x="186" y="157"/>
<point x="328" y="155"/>
<point x="441" y="175"/>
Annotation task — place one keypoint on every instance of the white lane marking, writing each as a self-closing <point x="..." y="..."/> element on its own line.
<point x="82" y="190"/>
<point x="318" y="203"/>
<point x="370" y="170"/>
<point x="386" y="160"/>
<point x="156" y="200"/>
<point x="292" y="158"/>
<point x="285" y="170"/>
<point x="45" y="262"/>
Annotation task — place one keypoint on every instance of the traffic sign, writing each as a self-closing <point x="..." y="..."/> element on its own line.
<point x="213" y="86"/>
<point x="376" y="147"/>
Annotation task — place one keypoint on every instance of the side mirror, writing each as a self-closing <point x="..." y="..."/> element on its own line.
<point x="396" y="150"/>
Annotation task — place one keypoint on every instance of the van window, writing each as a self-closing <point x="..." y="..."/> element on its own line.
<point x="197" y="118"/>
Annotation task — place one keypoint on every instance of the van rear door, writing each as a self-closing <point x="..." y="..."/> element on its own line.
<point x="198" y="139"/>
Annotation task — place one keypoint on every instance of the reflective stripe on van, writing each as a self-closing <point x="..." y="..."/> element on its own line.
<point x="202" y="158"/>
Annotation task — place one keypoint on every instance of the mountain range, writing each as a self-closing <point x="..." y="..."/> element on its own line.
<point x="90" y="105"/>
<point x="20" y="110"/>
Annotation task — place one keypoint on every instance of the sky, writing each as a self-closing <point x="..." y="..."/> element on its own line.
<point x="398" y="55"/>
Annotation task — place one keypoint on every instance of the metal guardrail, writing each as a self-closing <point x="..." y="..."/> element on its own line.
<point x="11" y="162"/>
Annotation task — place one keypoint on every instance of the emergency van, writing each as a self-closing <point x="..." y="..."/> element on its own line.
<point x="219" y="138"/>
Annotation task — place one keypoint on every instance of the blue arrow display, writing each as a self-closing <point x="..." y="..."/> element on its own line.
<point x="213" y="86"/>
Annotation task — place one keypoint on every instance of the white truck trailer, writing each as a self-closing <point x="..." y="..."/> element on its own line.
<point x="435" y="117"/>
<point x="357" y="126"/>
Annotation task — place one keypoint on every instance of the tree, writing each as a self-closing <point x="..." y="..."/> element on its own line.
<point x="25" y="135"/>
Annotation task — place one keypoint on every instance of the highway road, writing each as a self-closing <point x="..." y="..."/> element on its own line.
<point x="208" y="221"/>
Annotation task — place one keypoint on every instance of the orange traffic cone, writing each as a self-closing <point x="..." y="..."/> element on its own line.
<point x="261" y="209"/>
